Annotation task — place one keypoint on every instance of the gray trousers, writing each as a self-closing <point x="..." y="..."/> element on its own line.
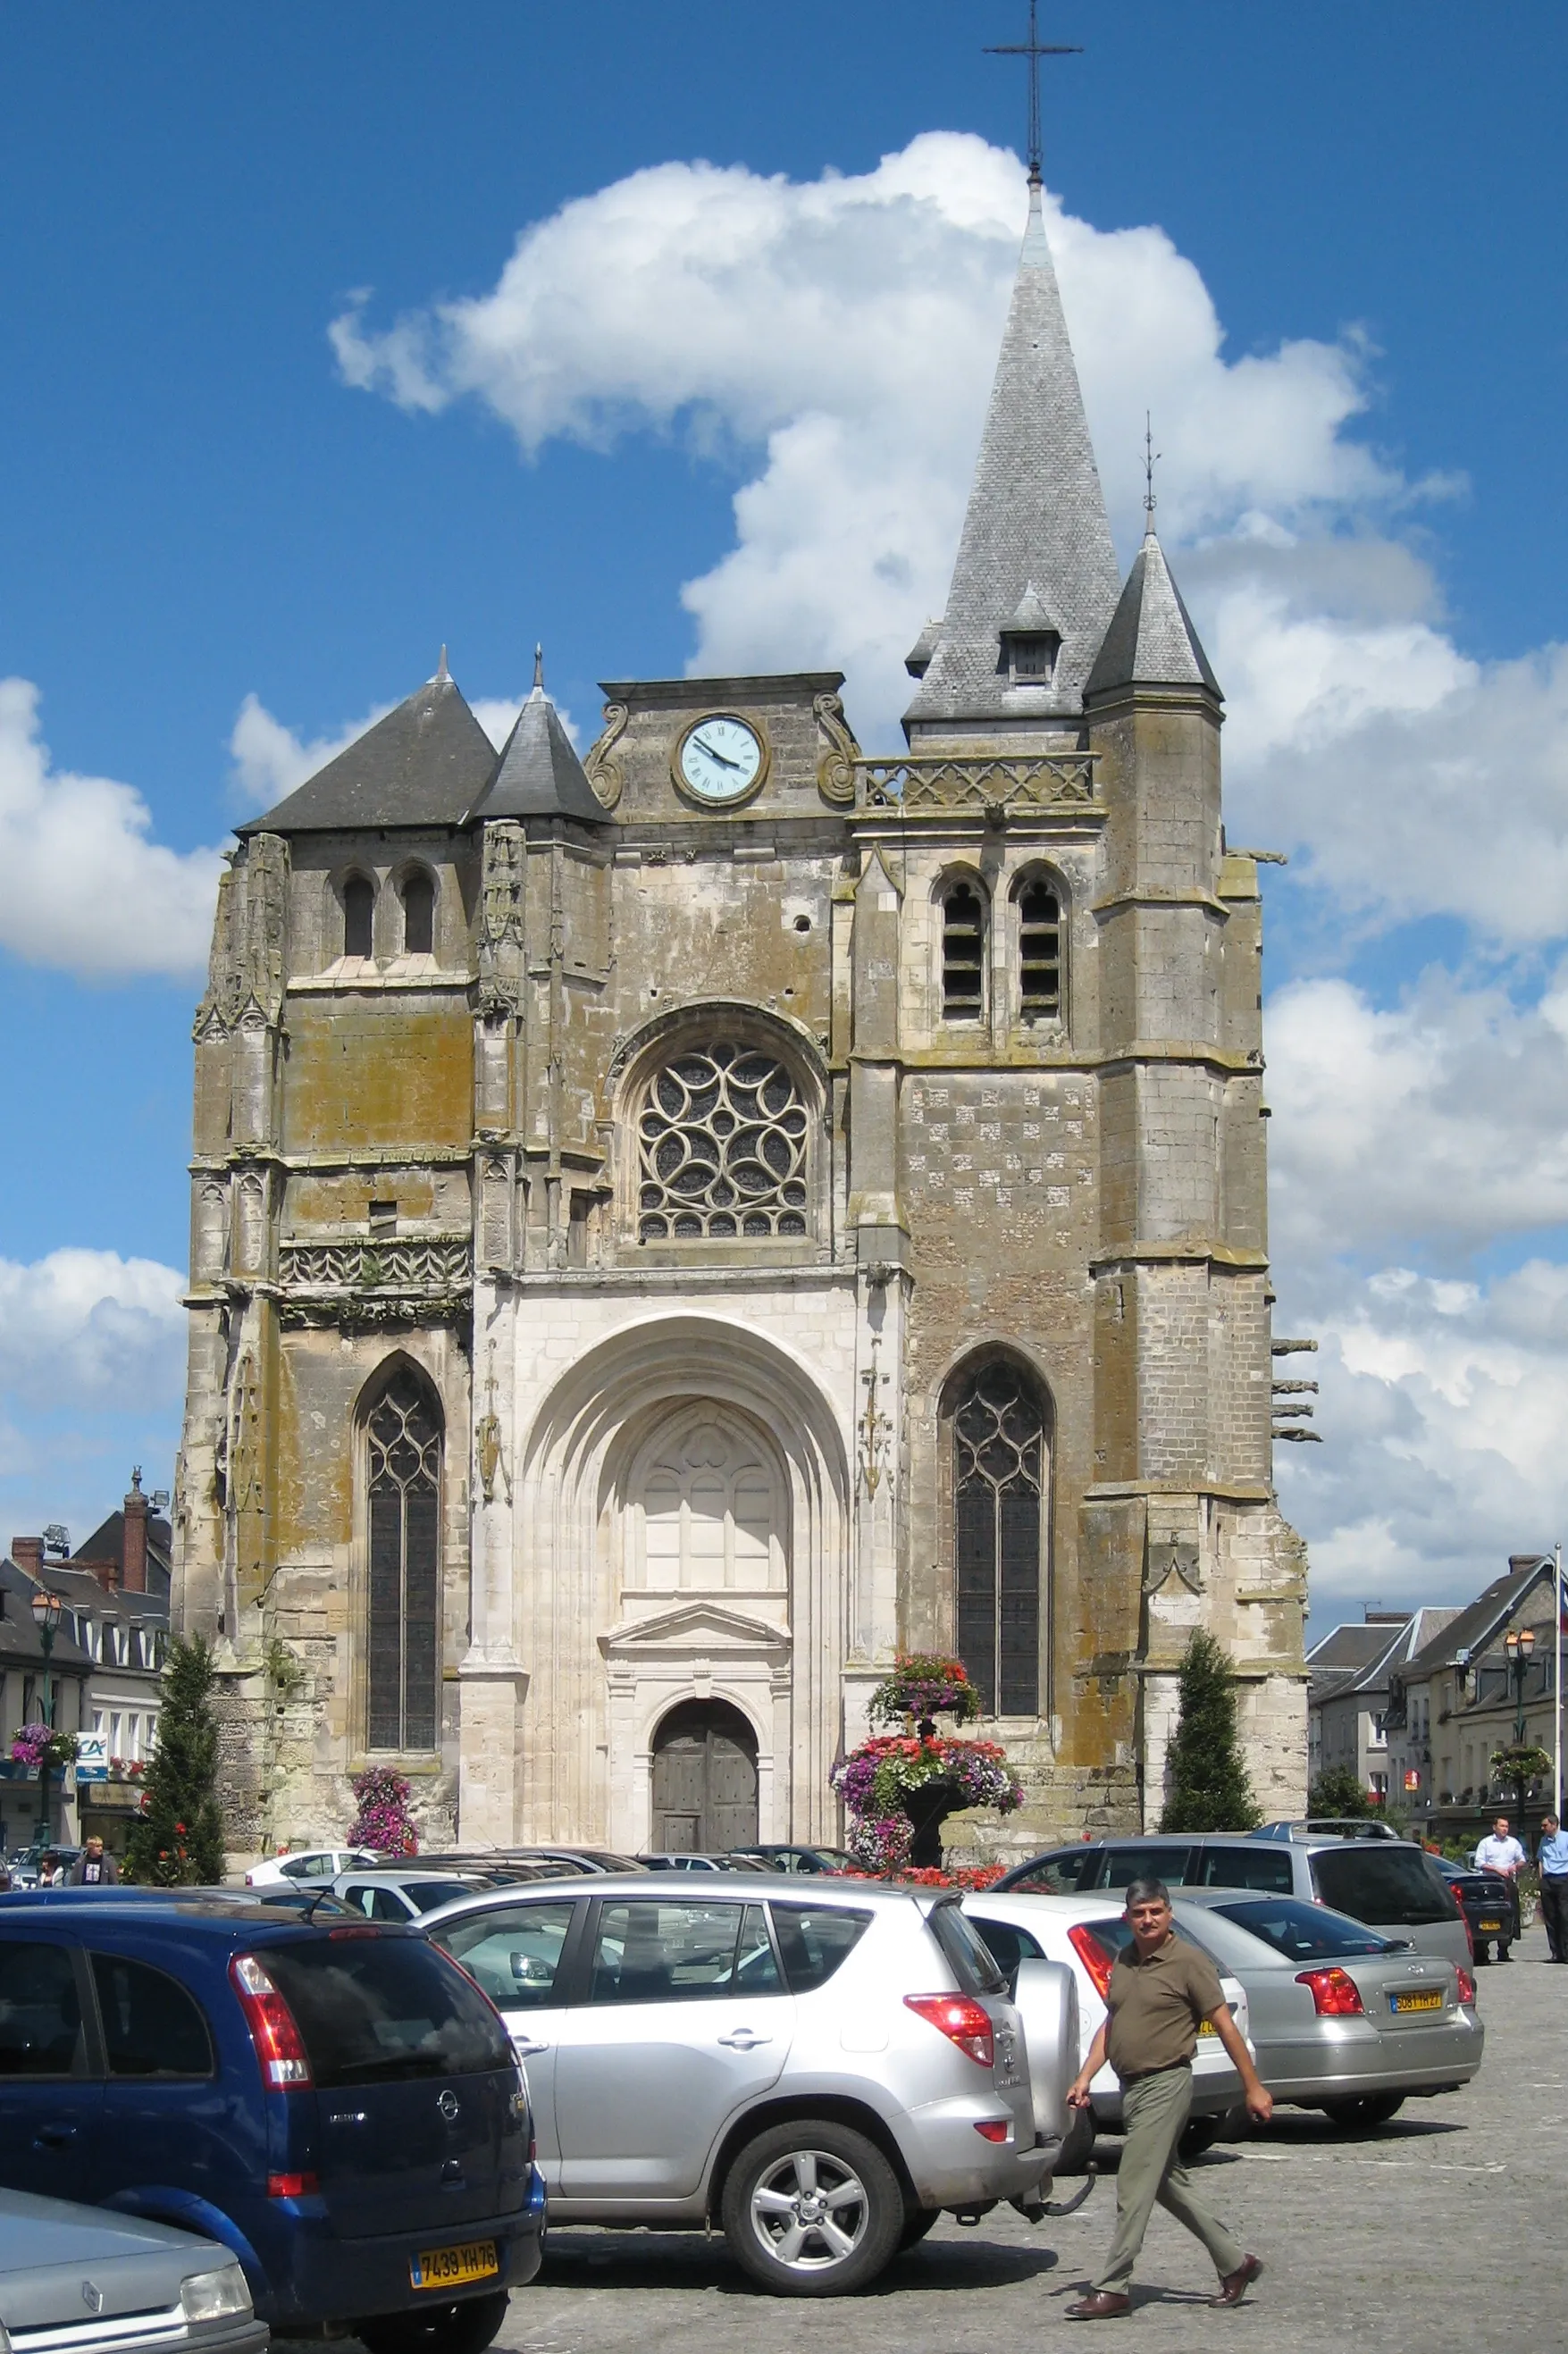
<point x="1155" y="2111"/>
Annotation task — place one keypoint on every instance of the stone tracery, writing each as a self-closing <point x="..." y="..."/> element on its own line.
<point x="723" y="1141"/>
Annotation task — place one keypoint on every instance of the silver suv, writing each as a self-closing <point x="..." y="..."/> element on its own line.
<point x="820" y="2070"/>
<point x="1389" y="1884"/>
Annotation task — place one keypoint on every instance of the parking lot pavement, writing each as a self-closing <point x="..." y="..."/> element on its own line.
<point x="1443" y="2230"/>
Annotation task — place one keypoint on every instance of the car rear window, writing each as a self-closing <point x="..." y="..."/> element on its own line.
<point x="1065" y="1873"/>
<point x="1388" y="1885"/>
<point x="1253" y="1866"/>
<point x="1303" y="1933"/>
<point x="151" y="2026"/>
<point x="424" y="1896"/>
<point x="1173" y="1865"/>
<point x="40" y="2012"/>
<point x="1008" y="1945"/>
<point x="374" y="2009"/>
<point x="968" y="1957"/>
<point x="815" y="1940"/>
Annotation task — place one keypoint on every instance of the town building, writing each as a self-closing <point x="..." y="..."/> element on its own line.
<point x="1458" y="1700"/>
<point x="673" y="1229"/>
<point x="1348" y="1696"/>
<point x="113" y="1595"/>
<point x="29" y="1686"/>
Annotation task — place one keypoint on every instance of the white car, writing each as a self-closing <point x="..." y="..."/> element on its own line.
<point x="1087" y="1932"/>
<point x="318" y="1866"/>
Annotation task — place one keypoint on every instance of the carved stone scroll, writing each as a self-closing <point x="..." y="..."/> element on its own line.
<point x="836" y="761"/>
<point x="604" y="772"/>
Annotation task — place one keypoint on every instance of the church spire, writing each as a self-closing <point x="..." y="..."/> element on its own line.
<point x="1035" y="537"/>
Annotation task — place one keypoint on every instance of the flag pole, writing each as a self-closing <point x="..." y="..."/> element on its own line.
<point x="1557" y="1681"/>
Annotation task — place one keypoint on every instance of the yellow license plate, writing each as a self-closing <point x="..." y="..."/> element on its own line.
<point x="1492" y="1925"/>
<point x="1432" y="2001"/>
<point x="448" y="2267"/>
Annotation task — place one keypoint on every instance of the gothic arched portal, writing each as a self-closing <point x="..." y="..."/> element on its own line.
<point x="705" y="1780"/>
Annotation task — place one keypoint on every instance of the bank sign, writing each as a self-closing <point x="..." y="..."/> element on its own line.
<point x="91" y="1757"/>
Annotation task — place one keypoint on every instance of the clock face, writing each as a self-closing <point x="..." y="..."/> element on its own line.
<point x="719" y="759"/>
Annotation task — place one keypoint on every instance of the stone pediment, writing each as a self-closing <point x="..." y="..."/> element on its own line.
<point x="691" y="1626"/>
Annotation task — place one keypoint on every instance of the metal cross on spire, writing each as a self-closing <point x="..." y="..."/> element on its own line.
<point x="1034" y="48"/>
<point x="1150" y="460"/>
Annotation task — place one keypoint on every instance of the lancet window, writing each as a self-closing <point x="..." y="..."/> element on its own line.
<point x="1000" y="1479"/>
<point x="963" y="952"/>
<point x="403" y="1440"/>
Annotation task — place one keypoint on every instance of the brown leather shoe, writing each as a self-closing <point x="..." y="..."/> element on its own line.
<point x="1234" y="2286"/>
<point x="1104" y="2305"/>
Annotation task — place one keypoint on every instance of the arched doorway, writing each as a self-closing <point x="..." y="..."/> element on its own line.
<point x="704" y="1779"/>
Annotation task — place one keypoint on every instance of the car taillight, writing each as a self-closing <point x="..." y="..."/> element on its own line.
<point x="992" y="2128"/>
<point x="292" y="2186"/>
<point x="1334" y="1992"/>
<point x="1094" y="1957"/>
<point x="280" y="2046"/>
<point x="1467" y="1987"/>
<point x="961" y="2019"/>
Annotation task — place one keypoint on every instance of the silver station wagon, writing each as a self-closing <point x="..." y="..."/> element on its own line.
<point x="821" y="2070"/>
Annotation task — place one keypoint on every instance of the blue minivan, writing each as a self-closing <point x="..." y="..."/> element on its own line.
<point x="335" y="2101"/>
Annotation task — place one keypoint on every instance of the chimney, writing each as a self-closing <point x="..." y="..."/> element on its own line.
<point x="28" y="1553"/>
<point x="134" y="1555"/>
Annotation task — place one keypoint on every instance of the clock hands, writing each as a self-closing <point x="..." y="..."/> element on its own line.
<point x="713" y="751"/>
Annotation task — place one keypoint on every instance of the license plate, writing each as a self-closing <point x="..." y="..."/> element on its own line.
<point x="446" y="2267"/>
<point x="1493" y="1926"/>
<point x="1432" y="2001"/>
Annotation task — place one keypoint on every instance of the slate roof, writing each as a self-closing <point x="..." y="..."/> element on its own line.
<point x="1151" y="641"/>
<point x="20" y="1644"/>
<point x="1478" y="1623"/>
<point x="539" y="775"/>
<point x="1036" y="516"/>
<point x="425" y="764"/>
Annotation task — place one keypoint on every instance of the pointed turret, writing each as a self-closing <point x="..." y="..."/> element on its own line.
<point x="1035" y="540"/>
<point x="421" y="765"/>
<point x="1151" y="641"/>
<point x="538" y="774"/>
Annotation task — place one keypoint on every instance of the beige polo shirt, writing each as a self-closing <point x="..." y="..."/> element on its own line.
<point x="1156" y="2004"/>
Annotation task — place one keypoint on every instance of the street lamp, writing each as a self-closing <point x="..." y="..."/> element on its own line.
<point x="1519" y="1647"/>
<point x="46" y="1619"/>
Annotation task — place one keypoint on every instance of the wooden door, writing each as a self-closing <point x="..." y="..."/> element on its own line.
<point x="705" y="1780"/>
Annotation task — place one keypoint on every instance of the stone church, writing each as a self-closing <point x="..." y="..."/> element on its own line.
<point x="671" y="1229"/>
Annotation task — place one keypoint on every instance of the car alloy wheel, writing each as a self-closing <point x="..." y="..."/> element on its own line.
<point x="813" y="2209"/>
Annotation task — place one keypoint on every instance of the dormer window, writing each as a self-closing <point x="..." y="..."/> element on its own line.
<point x="1030" y="641"/>
<point x="1034" y="657"/>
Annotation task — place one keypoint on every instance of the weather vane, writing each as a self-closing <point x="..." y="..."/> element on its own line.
<point x="1033" y="49"/>
<point x="1150" y="459"/>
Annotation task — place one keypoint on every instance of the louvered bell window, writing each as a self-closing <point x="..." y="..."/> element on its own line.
<point x="1040" y="953"/>
<point x="403" y="1649"/>
<point x="999" y="1451"/>
<point x="963" y="954"/>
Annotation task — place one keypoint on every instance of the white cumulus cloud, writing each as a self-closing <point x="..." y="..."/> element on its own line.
<point x="90" y="1323"/>
<point x="834" y="340"/>
<point x="83" y="887"/>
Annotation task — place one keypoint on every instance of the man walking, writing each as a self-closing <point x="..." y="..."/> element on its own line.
<point x="92" y="1867"/>
<point x="1552" y="1857"/>
<point x="1160" y="1991"/>
<point x="1499" y="1851"/>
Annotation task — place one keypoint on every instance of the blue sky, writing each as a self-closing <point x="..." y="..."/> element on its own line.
<point x="208" y="511"/>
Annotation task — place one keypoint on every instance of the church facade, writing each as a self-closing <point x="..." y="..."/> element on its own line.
<point x="672" y="1230"/>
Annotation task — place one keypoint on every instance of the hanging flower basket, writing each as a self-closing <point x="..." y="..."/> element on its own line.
<point x="919" y="1781"/>
<point x="924" y="1685"/>
<point x="382" y="1822"/>
<point x="40" y="1751"/>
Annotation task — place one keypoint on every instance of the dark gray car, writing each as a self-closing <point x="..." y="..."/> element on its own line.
<point x="82" y="2280"/>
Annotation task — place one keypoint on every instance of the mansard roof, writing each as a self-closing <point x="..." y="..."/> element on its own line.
<point x="1151" y="641"/>
<point x="539" y="774"/>
<point x="424" y="764"/>
<point x="1036" y="520"/>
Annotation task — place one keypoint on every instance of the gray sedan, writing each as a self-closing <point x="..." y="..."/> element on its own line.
<point x="82" y="2280"/>
<point x="1342" y="2019"/>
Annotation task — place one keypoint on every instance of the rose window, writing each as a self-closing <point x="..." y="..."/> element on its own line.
<point x="723" y="1148"/>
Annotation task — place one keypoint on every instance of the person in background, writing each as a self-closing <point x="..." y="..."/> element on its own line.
<point x="92" y="1867"/>
<point x="52" y="1872"/>
<point x="1552" y="1860"/>
<point x="1162" y="1990"/>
